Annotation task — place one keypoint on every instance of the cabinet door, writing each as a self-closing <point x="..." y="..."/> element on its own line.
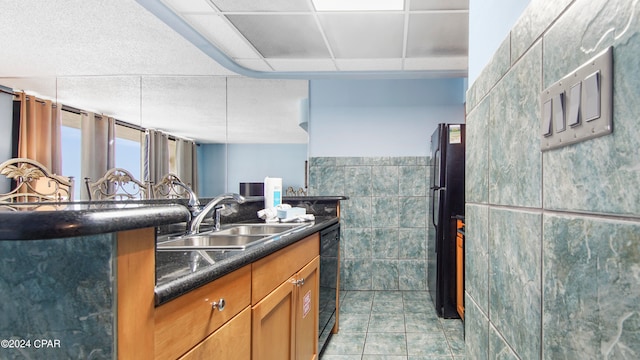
<point x="307" y="297"/>
<point x="274" y="324"/>
<point x="231" y="342"/>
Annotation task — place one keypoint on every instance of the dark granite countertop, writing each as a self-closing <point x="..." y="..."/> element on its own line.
<point x="178" y="272"/>
<point x="60" y="220"/>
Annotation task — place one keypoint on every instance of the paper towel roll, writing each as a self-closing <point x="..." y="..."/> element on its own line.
<point x="272" y="192"/>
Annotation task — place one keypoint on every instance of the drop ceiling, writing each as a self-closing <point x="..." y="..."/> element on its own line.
<point x="217" y="70"/>
<point x="427" y="38"/>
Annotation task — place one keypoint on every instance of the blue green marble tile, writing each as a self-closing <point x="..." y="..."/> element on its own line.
<point x="413" y="181"/>
<point x="384" y="274"/>
<point x="413" y="243"/>
<point x="357" y="181"/>
<point x="355" y="274"/>
<point x="412" y="274"/>
<point x="476" y="326"/>
<point x="346" y="344"/>
<point x="415" y="306"/>
<point x="477" y="154"/>
<point x="470" y="97"/>
<point x="413" y="211"/>
<point x="385" y="180"/>
<point x="356" y="212"/>
<point x="349" y="161"/>
<point x="391" y="301"/>
<point x="422" y="323"/>
<point x="61" y="289"/>
<point x="515" y="278"/>
<point x="515" y="161"/>
<point x="499" y="349"/>
<point x="406" y="160"/>
<point x="388" y="322"/>
<point x="591" y="288"/>
<point x="384" y="212"/>
<point x="326" y="356"/>
<point x="431" y="344"/>
<point x="603" y="174"/>
<point x="384" y="244"/>
<point x="326" y="180"/>
<point x="361" y="296"/>
<point x="316" y="161"/>
<point x="416" y="296"/>
<point x="383" y="357"/>
<point x="497" y="67"/>
<point x="533" y="22"/>
<point x="354" y="322"/>
<point x="476" y="249"/>
<point x="423" y="160"/>
<point x="357" y="243"/>
<point x="456" y="343"/>
<point x="385" y="344"/>
<point x="382" y="161"/>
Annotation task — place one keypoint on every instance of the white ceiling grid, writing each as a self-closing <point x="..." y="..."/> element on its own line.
<point x="290" y="35"/>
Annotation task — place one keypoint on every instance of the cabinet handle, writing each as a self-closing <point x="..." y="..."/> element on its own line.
<point x="218" y="304"/>
<point x="299" y="282"/>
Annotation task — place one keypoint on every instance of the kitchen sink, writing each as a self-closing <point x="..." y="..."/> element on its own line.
<point x="231" y="237"/>
<point x="257" y="229"/>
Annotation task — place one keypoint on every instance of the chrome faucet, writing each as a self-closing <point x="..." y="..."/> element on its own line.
<point x="198" y="216"/>
<point x="193" y="199"/>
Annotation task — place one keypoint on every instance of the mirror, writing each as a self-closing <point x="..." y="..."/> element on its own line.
<point x="247" y="128"/>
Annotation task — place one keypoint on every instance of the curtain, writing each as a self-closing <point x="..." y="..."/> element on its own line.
<point x="39" y="134"/>
<point x="155" y="155"/>
<point x="98" y="147"/>
<point x="187" y="163"/>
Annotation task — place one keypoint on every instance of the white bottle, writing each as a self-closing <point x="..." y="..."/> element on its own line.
<point x="272" y="192"/>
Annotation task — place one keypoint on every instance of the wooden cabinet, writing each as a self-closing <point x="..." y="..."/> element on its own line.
<point x="230" y="342"/>
<point x="185" y="322"/>
<point x="286" y="295"/>
<point x="460" y="267"/>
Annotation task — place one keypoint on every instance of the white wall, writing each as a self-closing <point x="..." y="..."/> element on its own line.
<point x="371" y="118"/>
<point x="489" y="24"/>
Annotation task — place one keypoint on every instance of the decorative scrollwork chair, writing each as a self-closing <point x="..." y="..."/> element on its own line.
<point x="34" y="183"/>
<point x="171" y="187"/>
<point x="117" y="184"/>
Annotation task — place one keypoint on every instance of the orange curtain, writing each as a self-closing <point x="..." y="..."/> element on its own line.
<point x="40" y="129"/>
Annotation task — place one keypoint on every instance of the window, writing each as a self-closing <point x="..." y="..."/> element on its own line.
<point x="127" y="149"/>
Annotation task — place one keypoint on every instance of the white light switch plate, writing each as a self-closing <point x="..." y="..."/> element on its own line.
<point x="585" y="98"/>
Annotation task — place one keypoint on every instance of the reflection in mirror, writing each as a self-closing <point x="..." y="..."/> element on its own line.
<point x="247" y="129"/>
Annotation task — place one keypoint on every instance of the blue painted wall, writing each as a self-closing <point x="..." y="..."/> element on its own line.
<point x="249" y="163"/>
<point x="380" y="117"/>
<point x="485" y="33"/>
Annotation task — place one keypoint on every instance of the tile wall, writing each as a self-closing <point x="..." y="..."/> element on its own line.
<point x="553" y="239"/>
<point x="58" y="290"/>
<point x="383" y="224"/>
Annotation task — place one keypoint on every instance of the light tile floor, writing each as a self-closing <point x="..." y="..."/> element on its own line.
<point x="393" y="325"/>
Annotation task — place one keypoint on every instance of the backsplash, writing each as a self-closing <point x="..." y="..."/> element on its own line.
<point x="553" y="239"/>
<point x="383" y="223"/>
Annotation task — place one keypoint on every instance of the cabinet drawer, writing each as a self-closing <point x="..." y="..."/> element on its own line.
<point x="184" y="322"/>
<point x="271" y="271"/>
<point x="231" y="342"/>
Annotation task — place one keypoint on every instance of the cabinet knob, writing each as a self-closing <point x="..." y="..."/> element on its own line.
<point x="218" y="304"/>
<point x="299" y="282"/>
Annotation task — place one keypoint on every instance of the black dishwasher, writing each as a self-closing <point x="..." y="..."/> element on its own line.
<point x="329" y="249"/>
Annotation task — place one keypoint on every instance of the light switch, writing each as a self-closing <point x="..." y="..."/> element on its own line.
<point x="546" y="119"/>
<point x="558" y="112"/>
<point x="591" y="103"/>
<point x="575" y="95"/>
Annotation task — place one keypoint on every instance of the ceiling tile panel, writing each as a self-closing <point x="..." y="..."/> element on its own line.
<point x="452" y="63"/>
<point x="282" y="36"/>
<point x="438" y="35"/>
<point x="217" y="30"/>
<point x="364" y="35"/>
<point x="263" y="5"/>
<point x="254" y="64"/>
<point x="439" y="5"/>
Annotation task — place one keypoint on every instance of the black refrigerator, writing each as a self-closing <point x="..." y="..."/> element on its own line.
<point x="446" y="201"/>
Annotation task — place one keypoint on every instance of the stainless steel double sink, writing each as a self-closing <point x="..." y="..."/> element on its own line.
<point x="230" y="237"/>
